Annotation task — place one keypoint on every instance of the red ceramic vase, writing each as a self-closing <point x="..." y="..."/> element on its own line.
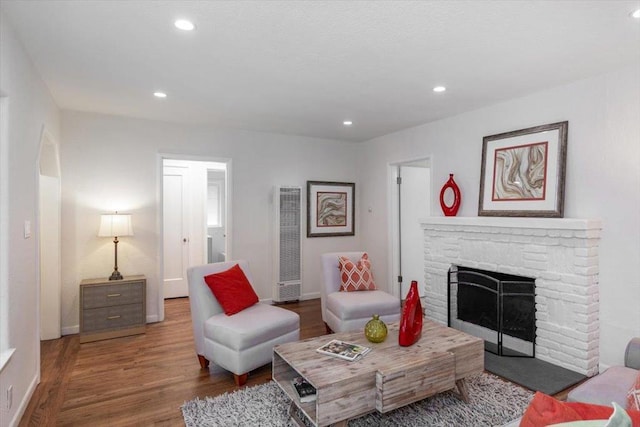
<point x="411" y="320"/>
<point x="457" y="198"/>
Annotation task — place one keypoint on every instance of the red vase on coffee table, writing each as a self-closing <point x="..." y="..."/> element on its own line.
<point x="411" y="320"/>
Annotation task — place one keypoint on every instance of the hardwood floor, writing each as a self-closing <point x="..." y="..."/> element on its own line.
<point x="140" y="380"/>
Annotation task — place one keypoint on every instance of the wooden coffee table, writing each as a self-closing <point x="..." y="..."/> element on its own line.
<point x="387" y="378"/>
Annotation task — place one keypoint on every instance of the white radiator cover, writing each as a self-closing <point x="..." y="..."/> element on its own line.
<point x="561" y="254"/>
<point x="288" y="243"/>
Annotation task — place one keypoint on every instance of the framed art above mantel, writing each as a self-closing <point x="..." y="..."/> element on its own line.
<point x="523" y="172"/>
<point x="330" y="209"/>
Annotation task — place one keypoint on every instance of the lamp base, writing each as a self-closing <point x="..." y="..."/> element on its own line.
<point x="115" y="275"/>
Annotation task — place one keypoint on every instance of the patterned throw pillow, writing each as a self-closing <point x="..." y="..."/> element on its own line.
<point x="356" y="277"/>
<point x="633" y="397"/>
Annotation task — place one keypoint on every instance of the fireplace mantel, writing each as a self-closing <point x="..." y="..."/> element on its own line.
<point x="560" y="253"/>
<point x="508" y="222"/>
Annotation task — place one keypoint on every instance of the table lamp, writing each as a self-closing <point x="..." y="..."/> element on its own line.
<point x="115" y="225"/>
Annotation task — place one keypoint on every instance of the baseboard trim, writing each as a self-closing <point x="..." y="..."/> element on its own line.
<point x="70" y="330"/>
<point x="25" y="401"/>
<point x="313" y="295"/>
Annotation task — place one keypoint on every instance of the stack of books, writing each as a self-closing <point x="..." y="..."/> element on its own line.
<point x="306" y="392"/>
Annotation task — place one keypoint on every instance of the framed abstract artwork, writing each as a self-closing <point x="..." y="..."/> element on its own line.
<point x="523" y="172"/>
<point x="330" y="209"/>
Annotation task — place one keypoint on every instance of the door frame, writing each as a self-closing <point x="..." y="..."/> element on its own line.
<point x="5" y="352"/>
<point x="392" y="213"/>
<point x="49" y="159"/>
<point x="160" y="216"/>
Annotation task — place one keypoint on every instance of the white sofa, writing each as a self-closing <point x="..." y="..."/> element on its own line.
<point x="609" y="386"/>
<point x="241" y="342"/>
<point x="350" y="311"/>
<point x="613" y="384"/>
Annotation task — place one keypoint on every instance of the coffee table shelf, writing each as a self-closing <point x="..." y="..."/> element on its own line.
<point x="283" y="373"/>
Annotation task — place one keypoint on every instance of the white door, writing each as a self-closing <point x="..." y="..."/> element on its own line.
<point x="411" y="203"/>
<point x="176" y="230"/>
<point x="414" y="206"/>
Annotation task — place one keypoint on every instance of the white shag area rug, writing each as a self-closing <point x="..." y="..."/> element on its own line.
<point x="493" y="402"/>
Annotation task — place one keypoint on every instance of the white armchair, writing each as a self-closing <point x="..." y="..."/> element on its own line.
<point x="241" y="342"/>
<point x="349" y="311"/>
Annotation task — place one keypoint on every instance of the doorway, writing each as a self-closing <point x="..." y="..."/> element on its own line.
<point x="410" y="201"/>
<point x="195" y="208"/>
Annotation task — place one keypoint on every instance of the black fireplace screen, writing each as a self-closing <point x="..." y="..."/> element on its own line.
<point x="495" y="306"/>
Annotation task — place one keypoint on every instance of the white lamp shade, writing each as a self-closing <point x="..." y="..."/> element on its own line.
<point x="115" y="225"/>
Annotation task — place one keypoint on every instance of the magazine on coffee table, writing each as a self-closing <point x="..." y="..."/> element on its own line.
<point x="344" y="350"/>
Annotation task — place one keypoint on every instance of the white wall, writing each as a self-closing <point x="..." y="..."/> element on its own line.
<point x="603" y="178"/>
<point x="111" y="163"/>
<point x="30" y="108"/>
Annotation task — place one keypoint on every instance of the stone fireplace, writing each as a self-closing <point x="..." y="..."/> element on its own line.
<point x="561" y="254"/>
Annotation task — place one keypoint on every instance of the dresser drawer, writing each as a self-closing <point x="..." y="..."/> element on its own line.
<point x="112" y="294"/>
<point x="97" y="319"/>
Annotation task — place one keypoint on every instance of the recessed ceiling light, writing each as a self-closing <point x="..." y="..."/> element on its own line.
<point x="347" y="123"/>
<point x="635" y="14"/>
<point x="439" y="89"/>
<point x="159" y="94"/>
<point x="183" y="24"/>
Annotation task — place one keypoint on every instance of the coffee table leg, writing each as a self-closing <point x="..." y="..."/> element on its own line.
<point x="296" y="418"/>
<point x="294" y="415"/>
<point x="463" y="393"/>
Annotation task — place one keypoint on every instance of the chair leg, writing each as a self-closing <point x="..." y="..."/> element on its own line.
<point x="327" y="328"/>
<point x="204" y="362"/>
<point x="240" y="379"/>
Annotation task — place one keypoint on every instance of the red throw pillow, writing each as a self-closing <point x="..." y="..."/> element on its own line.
<point x="544" y="410"/>
<point x="356" y="277"/>
<point x="590" y="411"/>
<point x="232" y="290"/>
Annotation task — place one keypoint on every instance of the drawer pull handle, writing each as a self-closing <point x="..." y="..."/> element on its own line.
<point x="113" y="317"/>
<point x="113" y="295"/>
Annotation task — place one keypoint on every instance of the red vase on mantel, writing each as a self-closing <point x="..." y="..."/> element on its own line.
<point x="411" y="320"/>
<point x="457" y="198"/>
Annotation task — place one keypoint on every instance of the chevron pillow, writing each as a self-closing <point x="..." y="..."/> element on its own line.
<point x="356" y="277"/>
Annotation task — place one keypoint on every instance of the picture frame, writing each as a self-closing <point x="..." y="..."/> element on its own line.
<point x="330" y="209"/>
<point x="523" y="172"/>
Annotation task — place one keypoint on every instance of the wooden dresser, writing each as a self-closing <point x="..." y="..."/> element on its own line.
<point x="112" y="308"/>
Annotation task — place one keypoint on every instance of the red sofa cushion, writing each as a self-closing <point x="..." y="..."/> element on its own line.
<point x="544" y="410"/>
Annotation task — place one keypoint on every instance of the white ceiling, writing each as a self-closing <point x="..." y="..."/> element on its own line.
<point x="302" y="67"/>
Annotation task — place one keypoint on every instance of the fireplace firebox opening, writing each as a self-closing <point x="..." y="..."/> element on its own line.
<point x="498" y="307"/>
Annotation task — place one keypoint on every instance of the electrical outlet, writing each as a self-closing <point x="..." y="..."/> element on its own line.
<point x="9" y="397"/>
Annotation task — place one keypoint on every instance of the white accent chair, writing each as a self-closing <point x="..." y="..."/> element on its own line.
<point x="241" y="342"/>
<point x="350" y="311"/>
